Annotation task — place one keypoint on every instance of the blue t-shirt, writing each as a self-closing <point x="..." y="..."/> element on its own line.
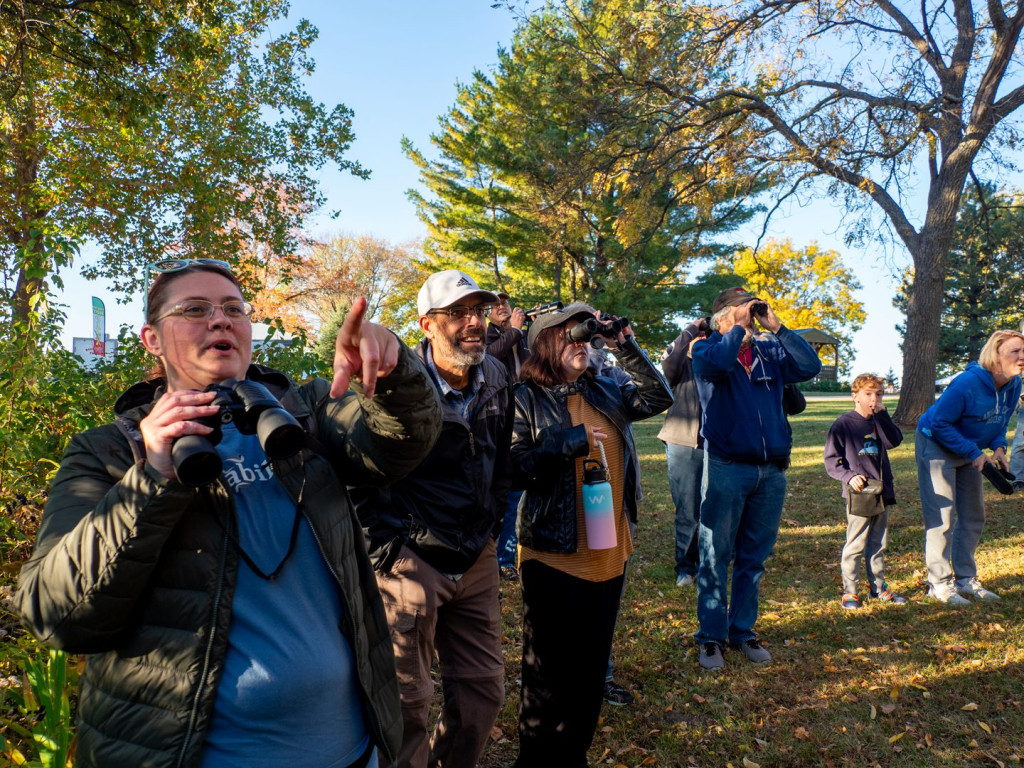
<point x="288" y="694"/>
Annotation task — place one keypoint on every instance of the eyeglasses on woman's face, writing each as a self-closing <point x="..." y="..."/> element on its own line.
<point x="201" y="310"/>
<point x="462" y="314"/>
<point x="167" y="266"/>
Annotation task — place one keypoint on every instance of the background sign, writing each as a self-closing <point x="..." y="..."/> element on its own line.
<point x="98" y="327"/>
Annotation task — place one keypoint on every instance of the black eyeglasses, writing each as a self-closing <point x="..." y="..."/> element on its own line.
<point x="201" y="310"/>
<point x="166" y="266"/>
<point x="462" y="313"/>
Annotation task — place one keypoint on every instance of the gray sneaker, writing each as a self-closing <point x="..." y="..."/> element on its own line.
<point x="973" y="588"/>
<point x="945" y="593"/>
<point x="711" y="657"/>
<point x="685" y="580"/>
<point x="753" y="650"/>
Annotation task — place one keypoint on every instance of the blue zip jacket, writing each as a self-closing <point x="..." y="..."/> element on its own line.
<point x="971" y="414"/>
<point x="743" y="419"/>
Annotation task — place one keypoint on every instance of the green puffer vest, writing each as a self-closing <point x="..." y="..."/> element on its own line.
<point x="134" y="569"/>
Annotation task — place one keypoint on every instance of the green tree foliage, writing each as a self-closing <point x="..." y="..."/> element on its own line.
<point x="984" y="282"/>
<point x="526" y="196"/>
<point x="889" y="105"/>
<point x="808" y="287"/>
<point x="164" y="127"/>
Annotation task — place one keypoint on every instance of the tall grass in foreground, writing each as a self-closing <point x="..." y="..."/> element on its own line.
<point x="918" y="685"/>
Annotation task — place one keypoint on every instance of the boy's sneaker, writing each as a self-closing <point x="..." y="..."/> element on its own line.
<point x="685" y="580"/>
<point x="888" y="596"/>
<point x="711" y="657"/>
<point x="753" y="650"/>
<point x="850" y="601"/>
<point x="946" y="594"/>
<point x="973" y="588"/>
<point x="616" y="695"/>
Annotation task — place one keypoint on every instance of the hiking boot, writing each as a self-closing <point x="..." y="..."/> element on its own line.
<point x="685" y="580"/>
<point x="973" y="588"/>
<point x="711" y="657"/>
<point x="850" y="601"/>
<point x="616" y="695"/>
<point x="888" y="596"/>
<point x="946" y="594"/>
<point x="753" y="650"/>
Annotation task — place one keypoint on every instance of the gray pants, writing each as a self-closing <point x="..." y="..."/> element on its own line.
<point x="950" y="487"/>
<point x="1017" y="449"/>
<point x="866" y="537"/>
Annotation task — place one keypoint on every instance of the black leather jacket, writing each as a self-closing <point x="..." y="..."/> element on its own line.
<point x="545" y="445"/>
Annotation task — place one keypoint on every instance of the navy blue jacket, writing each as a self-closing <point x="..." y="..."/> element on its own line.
<point x="743" y="419"/>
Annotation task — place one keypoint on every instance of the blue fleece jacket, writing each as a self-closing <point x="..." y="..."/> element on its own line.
<point x="971" y="414"/>
<point x="742" y="413"/>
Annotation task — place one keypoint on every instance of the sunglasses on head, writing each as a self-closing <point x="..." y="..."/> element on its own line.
<point x="167" y="266"/>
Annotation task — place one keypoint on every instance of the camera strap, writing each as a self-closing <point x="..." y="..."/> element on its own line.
<point x="291" y="542"/>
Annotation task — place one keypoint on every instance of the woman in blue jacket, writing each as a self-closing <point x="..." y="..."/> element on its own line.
<point x="952" y="436"/>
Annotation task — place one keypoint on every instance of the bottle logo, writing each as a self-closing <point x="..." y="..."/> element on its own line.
<point x="596" y="499"/>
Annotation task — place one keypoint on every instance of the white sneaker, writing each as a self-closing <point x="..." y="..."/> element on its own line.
<point x="685" y="580"/>
<point x="946" y="594"/>
<point x="973" y="588"/>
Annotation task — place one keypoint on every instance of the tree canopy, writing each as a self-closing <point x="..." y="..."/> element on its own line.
<point x="891" y="106"/>
<point x="164" y="128"/>
<point x="525" y="195"/>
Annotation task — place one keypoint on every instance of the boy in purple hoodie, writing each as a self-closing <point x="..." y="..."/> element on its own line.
<point x="856" y="452"/>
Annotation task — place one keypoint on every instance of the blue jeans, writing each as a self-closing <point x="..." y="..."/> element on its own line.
<point x="507" y="540"/>
<point x="685" y="474"/>
<point x="739" y="522"/>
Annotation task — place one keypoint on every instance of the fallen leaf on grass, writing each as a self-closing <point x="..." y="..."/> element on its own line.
<point x="748" y="763"/>
<point x="928" y="740"/>
<point x="649" y="760"/>
<point x="991" y="757"/>
<point x="874" y="712"/>
<point x="496" y="733"/>
<point x="985" y="727"/>
<point x="897" y="737"/>
<point x="801" y="733"/>
<point x="606" y="729"/>
<point x="895" y="693"/>
<point x="888" y="709"/>
<point x="972" y="707"/>
<point x="698" y="698"/>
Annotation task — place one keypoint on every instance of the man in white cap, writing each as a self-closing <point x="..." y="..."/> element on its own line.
<point x="430" y="536"/>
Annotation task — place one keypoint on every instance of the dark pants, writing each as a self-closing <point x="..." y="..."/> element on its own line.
<point x="567" y="636"/>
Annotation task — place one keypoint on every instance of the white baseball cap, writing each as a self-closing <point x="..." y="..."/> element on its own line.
<point x="442" y="289"/>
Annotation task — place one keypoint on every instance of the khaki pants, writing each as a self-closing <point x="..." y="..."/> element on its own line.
<point x="459" y="620"/>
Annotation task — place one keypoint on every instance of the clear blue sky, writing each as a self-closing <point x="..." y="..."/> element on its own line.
<point x="396" y="64"/>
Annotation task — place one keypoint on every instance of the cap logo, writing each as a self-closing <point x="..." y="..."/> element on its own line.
<point x="463" y="281"/>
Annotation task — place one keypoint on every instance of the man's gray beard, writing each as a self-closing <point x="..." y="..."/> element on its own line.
<point x="748" y="337"/>
<point x="452" y="352"/>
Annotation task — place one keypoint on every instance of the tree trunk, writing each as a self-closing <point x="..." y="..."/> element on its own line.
<point x="921" y="341"/>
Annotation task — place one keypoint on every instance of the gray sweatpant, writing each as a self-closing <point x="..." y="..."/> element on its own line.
<point x="866" y="537"/>
<point x="950" y="487"/>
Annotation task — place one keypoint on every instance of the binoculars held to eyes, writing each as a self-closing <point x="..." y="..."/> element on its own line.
<point x="253" y="410"/>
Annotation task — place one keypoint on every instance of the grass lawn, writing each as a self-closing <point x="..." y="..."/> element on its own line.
<point x="918" y="685"/>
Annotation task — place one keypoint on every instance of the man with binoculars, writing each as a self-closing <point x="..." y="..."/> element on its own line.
<point x="740" y="376"/>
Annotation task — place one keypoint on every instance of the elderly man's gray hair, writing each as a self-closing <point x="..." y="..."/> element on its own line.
<point x="717" y="318"/>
